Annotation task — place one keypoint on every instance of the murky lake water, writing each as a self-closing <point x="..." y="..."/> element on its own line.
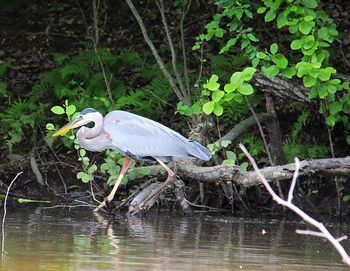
<point x="59" y="239"/>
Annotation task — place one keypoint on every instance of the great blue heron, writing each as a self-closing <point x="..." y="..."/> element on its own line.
<point x="136" y="137"/>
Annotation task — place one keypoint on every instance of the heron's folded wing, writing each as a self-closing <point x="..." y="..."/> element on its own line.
<point x="144" y="137"/>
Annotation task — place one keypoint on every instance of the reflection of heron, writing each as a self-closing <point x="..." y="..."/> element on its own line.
<point x="136" y="137"/>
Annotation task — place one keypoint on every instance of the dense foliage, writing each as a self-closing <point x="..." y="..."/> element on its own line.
<point x="291" y="39"/>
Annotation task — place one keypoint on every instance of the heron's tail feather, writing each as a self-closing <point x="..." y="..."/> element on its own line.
<point x="200" y="151"/>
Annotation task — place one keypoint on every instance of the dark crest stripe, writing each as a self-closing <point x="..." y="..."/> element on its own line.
<point x="87" y="110"/>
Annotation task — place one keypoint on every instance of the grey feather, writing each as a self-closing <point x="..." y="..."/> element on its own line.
<point x="140" y="136"/>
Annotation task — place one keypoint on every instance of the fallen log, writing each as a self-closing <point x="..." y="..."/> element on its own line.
<point x="186" y="170"/>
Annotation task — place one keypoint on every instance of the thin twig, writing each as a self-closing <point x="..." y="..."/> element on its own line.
<point x="93" y="194"/>
<point x="322" y="229"/>
<point x="156" y="55"/>
<point x="201" y="206"/>
<point x="201" y="61"/>
<point x="160" y="6"/>
<point x="184" y="58"/>
<point x="95" y="40"/>
<point x="261" y="131"/>
<point x="295" y="176"/>
<point x="265" y="144"/>
<point x="4" y="216"/>
<point x="331" y="145"/>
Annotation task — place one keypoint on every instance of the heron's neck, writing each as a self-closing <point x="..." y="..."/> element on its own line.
<point x="87" y="135"/>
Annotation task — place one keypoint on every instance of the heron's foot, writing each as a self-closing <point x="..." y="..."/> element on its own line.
<point x="105" y="202"/>
<point x="100" y="207"/>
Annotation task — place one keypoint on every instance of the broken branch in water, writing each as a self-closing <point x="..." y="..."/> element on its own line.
<point x="323" y="232"/>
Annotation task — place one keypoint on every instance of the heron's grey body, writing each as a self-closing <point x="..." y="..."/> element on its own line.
<point x="137" y="137"/>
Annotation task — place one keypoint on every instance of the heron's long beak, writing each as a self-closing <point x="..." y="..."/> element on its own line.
<point x="69" y="126"/>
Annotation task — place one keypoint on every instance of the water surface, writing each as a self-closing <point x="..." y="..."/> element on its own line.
<point x="62" y="240"/>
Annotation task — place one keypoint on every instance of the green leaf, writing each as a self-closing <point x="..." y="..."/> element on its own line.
<point x="309" y="41"/>
<point x="82" y="152"/>
<point x="231" y="155"/>
<point x="261" y="10"/>
<point x="270" y="15"/>
<point x="236" y="78"/>
<point x="208" y="107"/>
<point x="271" y="71"/>
<point x="231" y="42"/>
<point x="196" y="108"/>
<point x="245" y="89"/>
<point x="252" y="37"/>
<point x="212" y="86"/>
<point x="50" y="126"/>
<point x="244" y="166"/>
<point x="281" y="20"/>
<point x="255" y="62"/>
<point x="289" y="72"/>
<point x="323" y="92"/>
<point x="70" y="110"/>
<point x="21" y="200"/>
<point x="330" y="120"/>
<point x="92" y="169"/>
<point x="325" y="74"/>
<point x="217" y="95"/>
<point x="247" y="73"/>
<point x="214" y="78"/>
<point x="313" y="93"/>
<point x="261" y="55"/>
<point x="296" y="44"/>
<point x="323" y="33"/>
<point x="331" y="89"/>
<point x="218" y="110"/>
<point x="229" y="162"/>
<point x="86" y="178"/>
<point x="58" y="110"/>
<point x="309" y="81"/>
<point x="305" y="27"/>
<point x="273" y="48"/>
<point x="335" y="107"/>
<point x="230" y="87"/>
<point x="224" y="143"/>
<point x="310" y="3"/>
<point x="219" y="32"/>
<point x="280" y="60"/>
<point x="308" y="18"/>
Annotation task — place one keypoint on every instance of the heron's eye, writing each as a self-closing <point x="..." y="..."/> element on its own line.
<point x="90" y="125"/>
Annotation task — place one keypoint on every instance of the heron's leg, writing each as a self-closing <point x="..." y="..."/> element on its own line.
<point x="171" y="176"/>
<point x="126" y="164"/>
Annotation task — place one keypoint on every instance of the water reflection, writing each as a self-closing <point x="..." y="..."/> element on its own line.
<point x="55" y="239"/>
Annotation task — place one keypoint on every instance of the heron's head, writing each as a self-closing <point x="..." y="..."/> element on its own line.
<point x="85" y="116"/>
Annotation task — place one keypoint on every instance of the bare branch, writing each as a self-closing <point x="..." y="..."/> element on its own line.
<point x="323" y="232"/>
<point x="96" y="18"/>
<point x="308" y="232"/>
<point x="295" y="176"/>
<point x="172" y="49"/>
<point x="156" y="55"/>
<point x="184" y="58"/>
<point x="4" y="216"/>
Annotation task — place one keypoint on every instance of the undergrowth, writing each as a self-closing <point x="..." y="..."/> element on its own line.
<point x="136" y="84"/>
